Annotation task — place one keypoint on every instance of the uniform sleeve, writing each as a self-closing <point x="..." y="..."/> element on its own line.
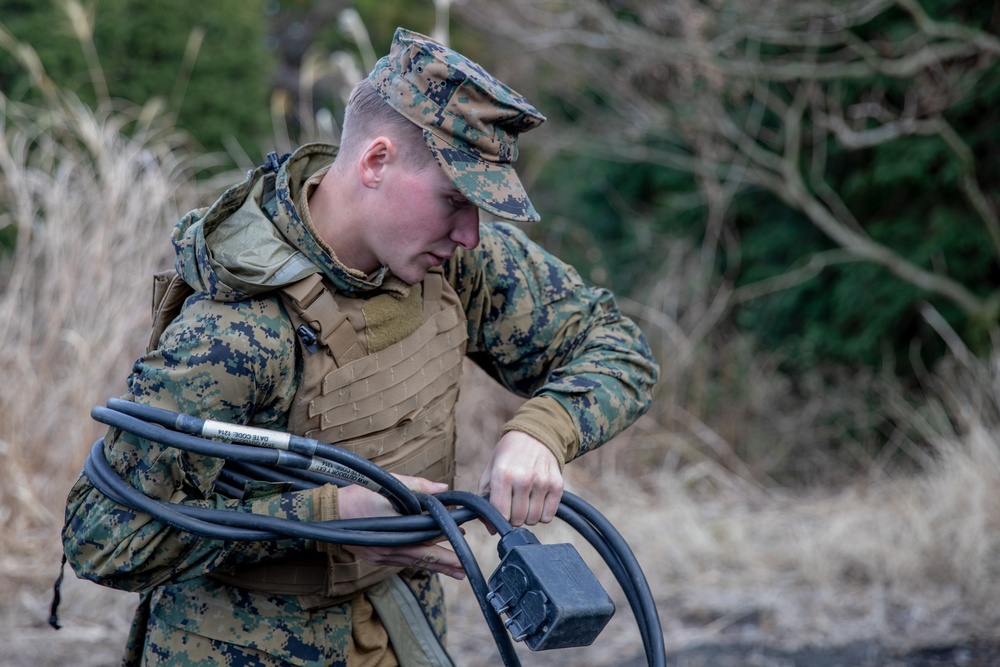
<point x="544" y="334"/>
<point x="228" y="361"/>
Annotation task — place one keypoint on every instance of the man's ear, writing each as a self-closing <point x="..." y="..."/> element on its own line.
<point x="375" y="158"/>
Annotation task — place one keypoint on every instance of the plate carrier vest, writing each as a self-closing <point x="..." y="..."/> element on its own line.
<point x="394" y="406"/>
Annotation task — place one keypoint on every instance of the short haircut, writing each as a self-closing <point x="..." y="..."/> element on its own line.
<point x="367" y="116"/>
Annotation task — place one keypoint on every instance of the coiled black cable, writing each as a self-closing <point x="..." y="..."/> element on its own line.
<point x="282" y="449"/>
<point x="304" y="463"/>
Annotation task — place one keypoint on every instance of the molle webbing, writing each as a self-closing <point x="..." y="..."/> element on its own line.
<point x="384" y="388"/>
<point x="394" y="406"/>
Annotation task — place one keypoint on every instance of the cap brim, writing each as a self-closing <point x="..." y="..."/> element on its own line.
<point x="491" y="186"/>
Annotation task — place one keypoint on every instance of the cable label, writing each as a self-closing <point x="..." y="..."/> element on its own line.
<point x="245" y="435"/>
<point x="343" y="472"/>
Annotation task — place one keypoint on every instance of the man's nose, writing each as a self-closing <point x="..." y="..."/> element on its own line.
<point x="466" y="232"/>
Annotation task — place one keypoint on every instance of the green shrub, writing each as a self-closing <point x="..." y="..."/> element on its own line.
<point x="209" y="61"/>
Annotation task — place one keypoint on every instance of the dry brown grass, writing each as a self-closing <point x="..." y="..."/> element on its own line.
<point x="730" y="554"/>
<point x="92" y="196"/>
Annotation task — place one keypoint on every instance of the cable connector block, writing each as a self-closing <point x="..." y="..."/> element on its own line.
<point x="549" y="595"/>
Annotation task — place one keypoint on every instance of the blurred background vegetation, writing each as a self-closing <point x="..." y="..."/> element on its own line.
<point x="796" y="199"/>
<point x="819" y="178"/>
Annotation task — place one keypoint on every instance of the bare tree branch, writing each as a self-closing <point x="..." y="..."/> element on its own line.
<point x="970" y="183"/>
<point x="671" y="85"/>
<point x="803" y="273"/>
<point x="795" y="193"/>
<point x="982" y="40"/>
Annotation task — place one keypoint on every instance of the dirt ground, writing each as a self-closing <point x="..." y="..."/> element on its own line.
<point x="95" y="621"/>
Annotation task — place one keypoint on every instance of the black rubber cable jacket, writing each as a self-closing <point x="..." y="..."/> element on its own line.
<point x="238" y="526"/>
<point x="657" y="656"/>
<point x="232" y="481"/>
<point x="212" y="523"/>
<point x="247" y="527"/>
<point x="579" y="523"/>
<point x="609" y="550"/>
<point x="298" y="444"/>
<point x="96" y="468"/>
<point x="238" y="476"/>
<point x="393" y="489"/>
<point x="480" y="505"/>
<point x="302" y="479"/>
<point x="476" y="579"/>
<point x="227" y="487"/>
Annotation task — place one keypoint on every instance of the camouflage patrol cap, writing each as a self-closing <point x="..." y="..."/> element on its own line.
<point x="470" y="120"/>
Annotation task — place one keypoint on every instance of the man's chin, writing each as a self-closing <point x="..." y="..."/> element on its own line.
<point x="411" y="276"/>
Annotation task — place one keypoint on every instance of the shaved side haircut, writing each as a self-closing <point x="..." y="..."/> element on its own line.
<point x="367" y="116"/>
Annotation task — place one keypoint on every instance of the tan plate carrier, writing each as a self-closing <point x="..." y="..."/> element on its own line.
<point x="394" y="405"/>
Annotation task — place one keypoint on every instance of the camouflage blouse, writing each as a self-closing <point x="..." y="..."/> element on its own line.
<point x="231" y="355"/>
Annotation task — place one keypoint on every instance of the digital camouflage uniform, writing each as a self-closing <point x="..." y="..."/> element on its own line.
<point x="232" y="355"/>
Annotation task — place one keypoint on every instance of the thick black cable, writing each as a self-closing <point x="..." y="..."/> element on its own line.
<point x="227" y="487"/>
<point x="293" y="451"/>
<point x="261" y="437"/>
<point x="476" y="579"/>
<point x="300" y="479"/>
<point x="582" y="525"/>
<point x="251" y="527"/>
<point x="237" y="526"/>
<point x="480" y="505"/>
<point x="248" y="527"/>
<point x="103" y="476"/>
<point x="614" y="563"/>
<point x="378" y="480"/>
<point x="233" y="483"/>
<point x="398" y="523"/>
<point x="238" y="476"/>
<point x="646" y="613"/>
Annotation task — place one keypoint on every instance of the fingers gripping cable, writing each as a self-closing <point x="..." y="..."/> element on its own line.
<point x="549" y="596"/>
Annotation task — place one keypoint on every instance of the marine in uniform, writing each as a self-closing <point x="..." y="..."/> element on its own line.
<point x="278" y="315"/>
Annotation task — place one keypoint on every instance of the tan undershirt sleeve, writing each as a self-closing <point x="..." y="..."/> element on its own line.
<point x="327" y="508"/>
<point x="544" y="419"/>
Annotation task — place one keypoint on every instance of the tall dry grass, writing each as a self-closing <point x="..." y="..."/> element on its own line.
<point x="92" y="196"/>
<point x="857" y="547"/>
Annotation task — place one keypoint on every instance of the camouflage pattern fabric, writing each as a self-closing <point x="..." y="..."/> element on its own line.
<point x="231" y="355"/>
<point x="471" y="120"/>
<point x="169" y="640"/>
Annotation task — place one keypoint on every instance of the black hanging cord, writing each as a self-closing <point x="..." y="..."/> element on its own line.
<point x="613" y="548"/>
<point x="476" y="579"/>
